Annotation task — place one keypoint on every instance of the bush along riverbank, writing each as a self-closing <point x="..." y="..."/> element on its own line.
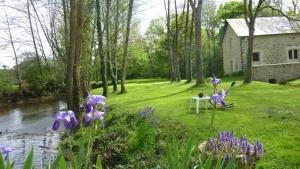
<point x="31" y="100"/>
<point x="139" y="140"/>
<point x="37" y="89"/>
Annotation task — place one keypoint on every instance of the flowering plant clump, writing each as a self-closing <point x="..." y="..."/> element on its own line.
<point x="148" y="113"/>
<point x="228" y="144"/>
<point x="91" y="109"/>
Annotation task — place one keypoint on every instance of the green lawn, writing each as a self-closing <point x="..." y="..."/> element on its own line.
<point x="268" y="112"/>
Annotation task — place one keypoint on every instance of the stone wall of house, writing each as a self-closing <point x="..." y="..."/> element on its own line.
<point x="277" y="72"/>
<point x="274" y="62"/>
<point x="273" y="49"/>
<point x="231" y="52"/>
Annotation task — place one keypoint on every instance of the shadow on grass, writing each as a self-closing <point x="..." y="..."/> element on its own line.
<point x="160" y="97"/>
<point x="143" y="81"/>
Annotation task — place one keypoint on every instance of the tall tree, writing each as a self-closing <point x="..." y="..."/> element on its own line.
<point x="56" y="50"/>
<point x="187" y="49"/>
<point x="66" y="29"/>
<point x="295" y="6"/>
<point x="208" y="22"/>
<point x="34" y="40"/>
<point x="100" y="50"/>
<point x="40" y="43"/>
<point x="189" y="54"/>
<point x="71" y="55"/>
<point x="76" y="71"/>
<point x="170" y="47"/>
<point x="175" y="44"/>
<point x="199" y="65"/>
<point x="108" y="48"/>
<point x="250" y="17"/>
<point x="115" y="41"/>
<point x="124" y="63"/>
<point x="15" y="54"/>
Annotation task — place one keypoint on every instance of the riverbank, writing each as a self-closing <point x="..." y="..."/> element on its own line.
<point x="31" y="100"/>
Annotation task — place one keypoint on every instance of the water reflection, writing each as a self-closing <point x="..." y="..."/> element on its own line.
<point x="30" y="125"/>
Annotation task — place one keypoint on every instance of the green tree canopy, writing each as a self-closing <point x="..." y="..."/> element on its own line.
<point x="232" y="9"/>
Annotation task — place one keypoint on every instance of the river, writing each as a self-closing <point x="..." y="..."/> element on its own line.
<point x="27" y="125"/>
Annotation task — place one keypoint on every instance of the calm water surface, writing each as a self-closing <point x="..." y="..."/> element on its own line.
<point x="22" y="127"/>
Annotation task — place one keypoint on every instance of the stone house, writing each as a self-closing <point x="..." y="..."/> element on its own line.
<point x="276" y="50"/>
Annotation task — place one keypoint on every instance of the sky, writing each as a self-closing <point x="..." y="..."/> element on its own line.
<point x="155" y="8"/>
<point x="20" y="30"/>
<point x="146" y="11"/>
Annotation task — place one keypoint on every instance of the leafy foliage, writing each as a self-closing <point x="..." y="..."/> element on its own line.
<point x="231" y="9"/>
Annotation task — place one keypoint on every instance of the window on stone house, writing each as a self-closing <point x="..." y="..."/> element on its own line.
<point x="293" y="54"/>
<point x="255" y="56"/>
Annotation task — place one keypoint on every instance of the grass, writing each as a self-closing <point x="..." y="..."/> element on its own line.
<point x="268" y="112"/>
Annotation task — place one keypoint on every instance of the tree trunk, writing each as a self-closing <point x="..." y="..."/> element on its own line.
<point x="210" y="49"/>
<point x="116" y="35"/>
<point x="152" y="72"/>
<point x="124" y="63"/>
<point x="248" y="73"/>
<point x="76" y="71"/>
<point x="110" y="65"/>
<point x="186" y="45"/>
<point x="66" y="30"/>
<point x="199" y="64"/>
<point x="214" y="50"/>
<point x="15" y="54"/>
<point x="295" y="6"/>
<point x="175" y="60"/>
<point x="170" y="48"/>
<point x="100" y="50"/>
<point x="190" y="74"/>
<point x="250" y="17"/>
<point x="34" y="42"/>
<point x="42" y="47"/>
<point x="71" y="55"/>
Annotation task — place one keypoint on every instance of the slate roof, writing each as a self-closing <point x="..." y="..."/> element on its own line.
<point x="265" y="26"/>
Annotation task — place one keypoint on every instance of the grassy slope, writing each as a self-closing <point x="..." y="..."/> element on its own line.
<point x="270" y="113"/>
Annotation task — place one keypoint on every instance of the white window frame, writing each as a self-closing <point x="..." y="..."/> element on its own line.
<point x="293" y="52"/>
<point x="287" y="49"/>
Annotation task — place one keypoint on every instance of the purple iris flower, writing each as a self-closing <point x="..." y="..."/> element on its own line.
<point x="91" y="112"/>
<point x="219" y="98"/>
<point x="95" y="115"/>
<point x="94" y="100"/>
<point x="88" y="108"/>
<point x="258" y="149"/>
<point x="215" y="81"/>
<point x="6" y="150"/>
<point x="67" y="117"/>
